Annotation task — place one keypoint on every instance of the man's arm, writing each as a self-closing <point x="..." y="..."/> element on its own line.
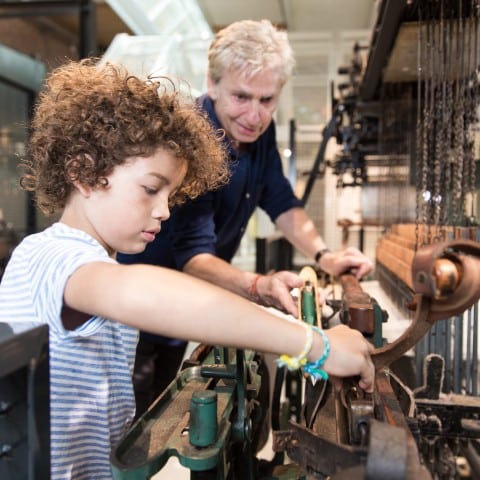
<point x="300" y="231"/>
<point x="273" y="290"/>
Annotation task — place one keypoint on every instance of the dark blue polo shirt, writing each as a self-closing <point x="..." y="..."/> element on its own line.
<point x="215" y="222"/>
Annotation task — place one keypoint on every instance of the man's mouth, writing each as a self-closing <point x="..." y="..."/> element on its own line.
<point x="247" y="130"/>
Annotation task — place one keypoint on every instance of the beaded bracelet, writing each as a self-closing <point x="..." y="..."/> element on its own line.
<point x="314" y="369"/>
<point x="294" y="363"/>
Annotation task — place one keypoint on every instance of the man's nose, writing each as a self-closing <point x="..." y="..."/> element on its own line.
<point x="254" y="112"/>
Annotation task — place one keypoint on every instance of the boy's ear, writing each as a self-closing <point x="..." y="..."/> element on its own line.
<point x="74" y="166"/>
<point x="211" y="88"/>
<point x="84" y="190"/>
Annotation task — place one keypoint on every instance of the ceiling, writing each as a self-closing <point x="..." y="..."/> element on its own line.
<point x="294" y="15"/>
<point x="176" y="33"/>
<point x="322" y="32"/>
<point x="299" y="16"/>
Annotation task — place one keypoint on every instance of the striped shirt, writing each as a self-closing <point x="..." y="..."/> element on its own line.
<point x="91" y="393"/>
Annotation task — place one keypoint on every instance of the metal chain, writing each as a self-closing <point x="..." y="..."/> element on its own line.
<point x="419" y="127"/>
<point x="426" y="135"/>
<point x="447" y="120"/>
<point x="459" y="125"/>
<point x="437" y="149"/>
<point x="448" y="100"/>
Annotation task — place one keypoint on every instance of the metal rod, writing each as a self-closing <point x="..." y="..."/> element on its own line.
<point x="457" y="354"/>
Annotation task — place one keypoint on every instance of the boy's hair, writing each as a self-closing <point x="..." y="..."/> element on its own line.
<point x="91" y="117"/>
<point x="250" y="46"/>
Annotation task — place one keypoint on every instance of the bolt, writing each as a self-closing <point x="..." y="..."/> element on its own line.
<point x="421" y="277"/>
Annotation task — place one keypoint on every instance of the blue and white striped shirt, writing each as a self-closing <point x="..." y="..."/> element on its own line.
<point x="91" y="393"/>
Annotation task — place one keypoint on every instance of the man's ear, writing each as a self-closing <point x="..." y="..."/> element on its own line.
<point x="211" y="88"/>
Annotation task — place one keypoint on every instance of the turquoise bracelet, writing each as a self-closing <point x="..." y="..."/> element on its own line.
<point x="314" y="369"/>
<point x="294" y="363"/>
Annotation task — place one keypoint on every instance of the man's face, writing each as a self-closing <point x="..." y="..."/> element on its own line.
<point x="245" y="105"/>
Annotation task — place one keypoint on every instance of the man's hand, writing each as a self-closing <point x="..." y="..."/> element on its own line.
<point x="275" y="290"/>
<point x="350" y="259"/>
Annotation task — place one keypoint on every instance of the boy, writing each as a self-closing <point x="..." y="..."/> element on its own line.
<point x="110" y="153"/>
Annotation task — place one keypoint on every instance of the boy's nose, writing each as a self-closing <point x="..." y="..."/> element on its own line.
<point x="161" y="211"/>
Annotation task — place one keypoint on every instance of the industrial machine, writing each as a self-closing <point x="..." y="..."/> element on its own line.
<point x="24" y="402"/>
<point x="406" y="121"/>
<point x="212" y="416"/>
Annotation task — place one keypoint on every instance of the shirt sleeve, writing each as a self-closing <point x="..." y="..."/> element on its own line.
<point x="63" y="260"/>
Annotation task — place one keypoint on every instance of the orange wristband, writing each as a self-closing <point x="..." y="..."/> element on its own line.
<point x="253" y="291"/>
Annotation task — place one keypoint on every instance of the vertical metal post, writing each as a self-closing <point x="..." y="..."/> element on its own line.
<point x="88" y="31"/>
<point x="292" y="172"/>
<point x="457" y="354"/>
<point x="447" y="383"/>
<point x="475" y="351"/>
<point x="468" y="359"/>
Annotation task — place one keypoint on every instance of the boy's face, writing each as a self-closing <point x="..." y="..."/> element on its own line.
<point x="127" y="214"/>
<point x="245" y="105"/>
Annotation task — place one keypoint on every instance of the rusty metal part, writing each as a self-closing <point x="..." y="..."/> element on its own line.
<point x="389" y="451"/>
<point x="430" y="280"/>
<point x="448" y="416"/>
<point x="316" y="395"/>
<point x="200" y="353"/>
<point x="358" y="305"/>
<point x="446" y="278"/>
<point x="359" y="406"/>
<point x="420" y="325"/>
<point x="345" y="223"/>
<point x="303" y="447"/>
<point x="433" y="374"/>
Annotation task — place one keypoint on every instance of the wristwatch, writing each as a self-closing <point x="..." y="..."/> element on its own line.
<point x="321" y="253"/>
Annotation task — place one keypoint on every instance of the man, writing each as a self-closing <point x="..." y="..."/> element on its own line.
<point x="248" y="64"/>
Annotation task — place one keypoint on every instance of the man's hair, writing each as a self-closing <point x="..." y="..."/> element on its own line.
<point x="250" y="46"/>
<point x="91" y="117"/>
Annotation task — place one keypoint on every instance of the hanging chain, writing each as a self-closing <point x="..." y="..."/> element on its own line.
<point x="448" y="100"/>
<point x="447" y="119"/>
<point x="425" y="192"/>
<point x="459" y="124"/>
<point x="419" y="128"/>
<point x="472" y="105"/>
<point x="437" y="76"/>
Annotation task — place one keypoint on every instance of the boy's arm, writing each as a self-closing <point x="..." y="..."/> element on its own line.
<point x="170" y="303"/>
